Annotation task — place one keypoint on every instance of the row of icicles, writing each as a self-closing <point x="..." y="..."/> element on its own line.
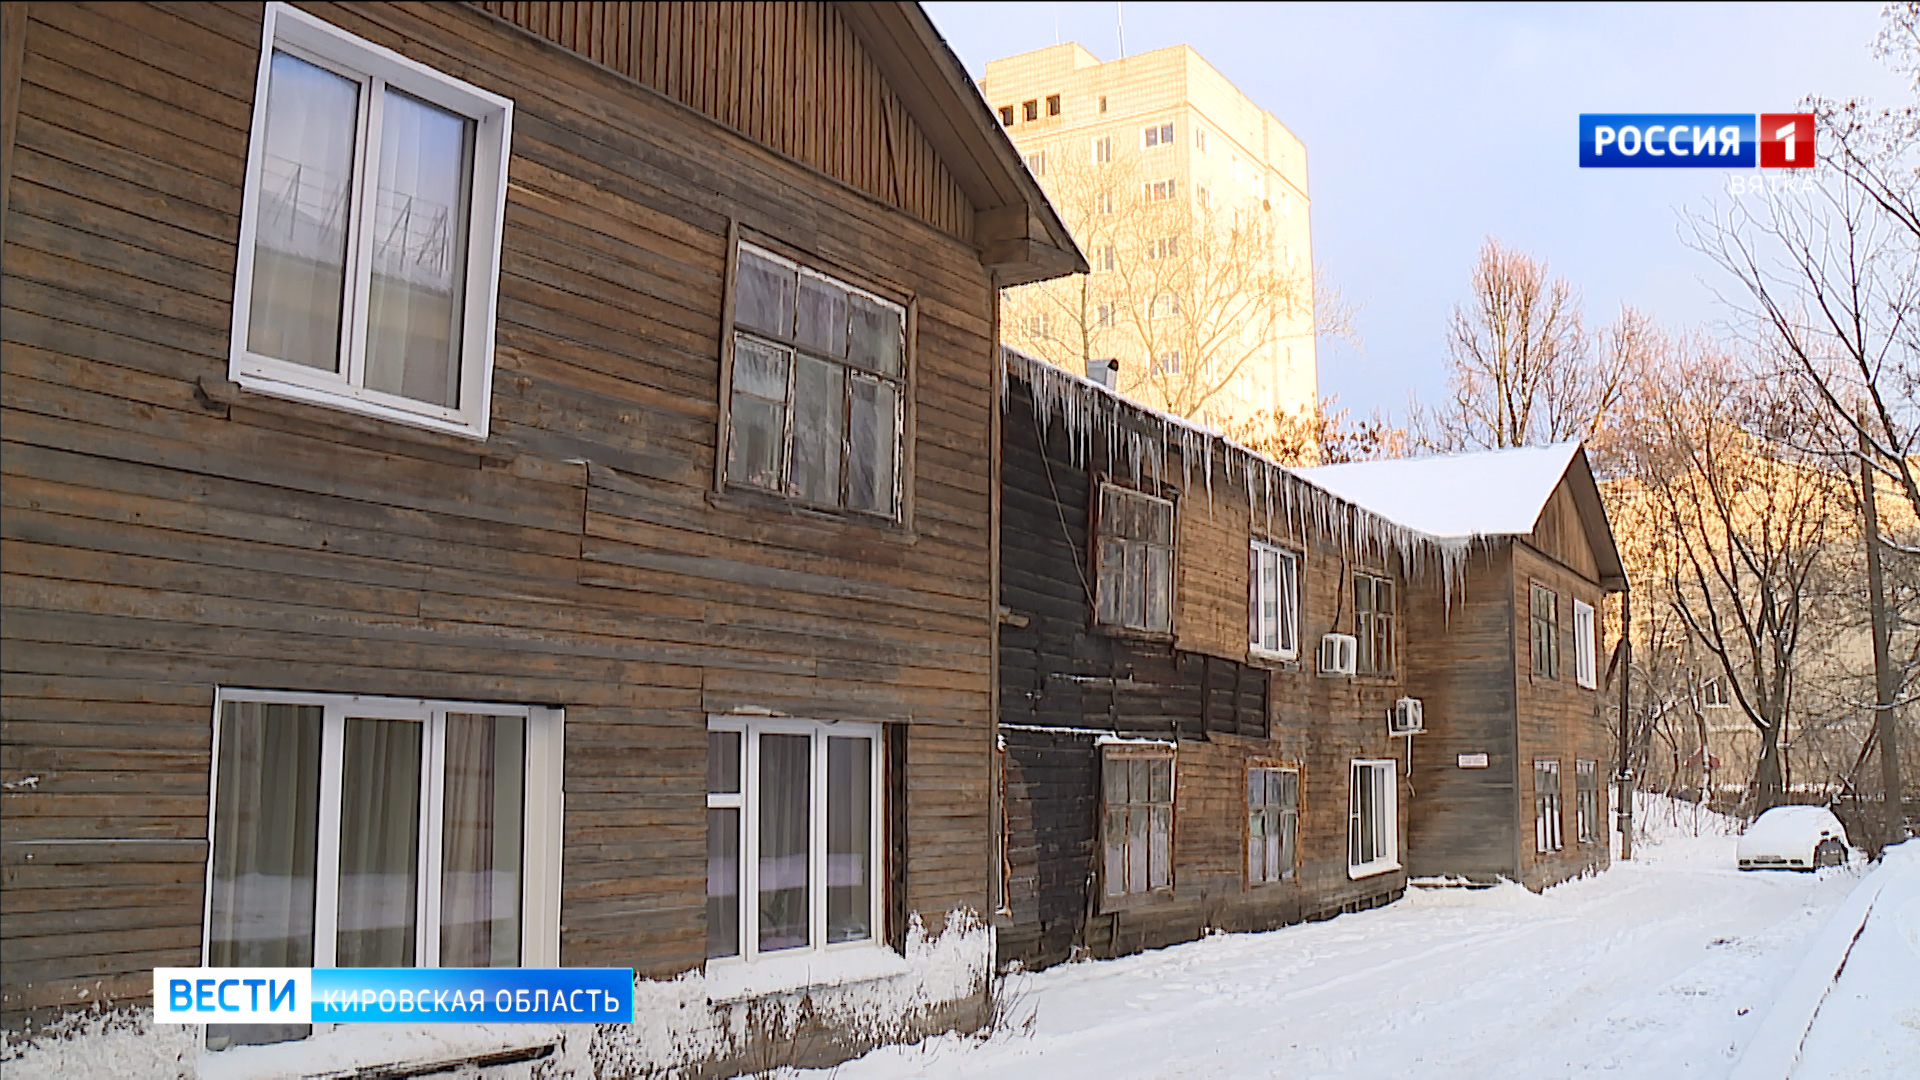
<point x="1143" y="440"/>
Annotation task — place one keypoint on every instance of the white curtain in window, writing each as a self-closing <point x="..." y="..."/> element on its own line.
<point x="481" y="841"/>
<point x="265" y="833"/>
<point x="379" y="843"/>
<point x="849" y="839"/>
<point x="300" y="233"/>
<point x="415" y="302"/>
<point x="786" y="774"/>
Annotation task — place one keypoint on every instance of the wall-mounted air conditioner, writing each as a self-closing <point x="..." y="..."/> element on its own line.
<point x="1339" y="654"/>
<point x="1408" y="717"/>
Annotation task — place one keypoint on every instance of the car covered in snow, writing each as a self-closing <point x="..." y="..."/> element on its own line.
<point x="1793" y="838"/>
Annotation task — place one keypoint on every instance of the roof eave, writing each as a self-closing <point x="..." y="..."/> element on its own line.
<point x="1019" y="233"/>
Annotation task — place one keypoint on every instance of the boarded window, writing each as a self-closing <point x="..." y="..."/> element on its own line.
<point x="1273" y="601"/>
<point x="1373" y="617"/>
<point x="1138" y="840"/>
<point x="1273" y="823"/>
<point x="1544" y="608"/>
<point x="1586" y="801"/>
<point x="1546" y="806"/>
<point x="1134" y="553"/>
<point x="819" y="372"/>
<point x="1373" y="819"/>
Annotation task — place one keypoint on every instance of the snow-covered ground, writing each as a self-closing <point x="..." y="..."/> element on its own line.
<point x="1663" y="966"/>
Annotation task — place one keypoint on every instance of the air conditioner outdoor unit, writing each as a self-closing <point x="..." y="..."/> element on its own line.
<point x="1339" y="654"/>
<point x="1409" y="717"/>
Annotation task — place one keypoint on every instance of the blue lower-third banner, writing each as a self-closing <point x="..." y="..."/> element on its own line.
<point x="392" y="995"/>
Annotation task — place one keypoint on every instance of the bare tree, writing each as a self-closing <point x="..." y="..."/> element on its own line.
<point x="1749" y="524"/>
<point x="1522" y="369"/>
<point x="1328" y="435"/>
<point x="1828" y="269"/>
<point x="1191" y="294"/>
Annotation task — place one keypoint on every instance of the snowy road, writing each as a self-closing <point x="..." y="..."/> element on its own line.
<point x="1660" y="967"/>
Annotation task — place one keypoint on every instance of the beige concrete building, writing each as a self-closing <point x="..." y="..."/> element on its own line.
<point x="1191" y="202"/>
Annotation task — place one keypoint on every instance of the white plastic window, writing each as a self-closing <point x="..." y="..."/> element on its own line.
<point x="1275" y="602"/>
<point x="1373" y="818"/>
<point x="380" y="832"/>
<point x="793" y="837"/>
<point x="369" y="230"/>
<point x="1583" y="645"/>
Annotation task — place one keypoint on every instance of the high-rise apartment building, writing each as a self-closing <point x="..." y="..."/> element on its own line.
<point x="1190" y="201"/>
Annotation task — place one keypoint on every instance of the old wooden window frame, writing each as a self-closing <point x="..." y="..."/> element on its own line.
<point x="1585" y="670"/>
<point x="1586" y="800"/>
<point x="1284" y="816"/>
<point x="1113" y="755"/>
<point x="747" y="802"/>
<point x="1549" y="826"/>
<point x="1102" y="538"/>
<point x="1544" y="630"/>
<point x="1713" y="693"/>
<point x="1286" y="621"/>
<point x="541" y="816"/>
<point x="903" y="385"/>
<point x="378" y="71"/>
<point x="1373" y="786"/>
<point x="1375" y="626"/>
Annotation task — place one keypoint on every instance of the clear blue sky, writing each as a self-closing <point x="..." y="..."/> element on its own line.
<point x="1430" y="128"/>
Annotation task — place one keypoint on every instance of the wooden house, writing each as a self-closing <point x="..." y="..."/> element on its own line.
<point x="1511" y="776"/>
<point x="501" y="483"/>
<point x="1177" y="754"/>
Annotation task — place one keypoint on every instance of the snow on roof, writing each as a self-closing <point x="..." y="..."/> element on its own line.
<point x="1494" y="493"/>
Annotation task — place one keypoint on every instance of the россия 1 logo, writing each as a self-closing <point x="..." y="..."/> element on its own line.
<point x="1696" y="140"/>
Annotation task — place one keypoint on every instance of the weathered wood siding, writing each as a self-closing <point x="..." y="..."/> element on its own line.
<point x="789" y="76"/>
<point x="1472" y="665"/>
<point x="165" y="534"/>
<point x="1062" y="682"/>
<point x="1557" y="719"/>
<point x="1460" y="657"/>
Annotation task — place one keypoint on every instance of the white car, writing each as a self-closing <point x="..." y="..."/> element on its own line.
<point x="1794" y="838"/>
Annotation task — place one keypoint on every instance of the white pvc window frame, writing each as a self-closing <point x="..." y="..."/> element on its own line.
<point x="542" y="810"/>
<point x="1286" y="622"/>
<point x="1383" y="776"/>
<point x="375" y="68"/>
<point x="747" y="801"/>
<point x="1584" y="666"/>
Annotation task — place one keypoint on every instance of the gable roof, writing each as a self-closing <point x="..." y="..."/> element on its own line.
<point x="1020" y="235"/>
<point x="1493" y="493"/>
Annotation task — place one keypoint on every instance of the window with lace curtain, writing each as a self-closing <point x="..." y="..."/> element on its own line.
<point x="380" y="832"/>
<point x="370" y="230"/>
